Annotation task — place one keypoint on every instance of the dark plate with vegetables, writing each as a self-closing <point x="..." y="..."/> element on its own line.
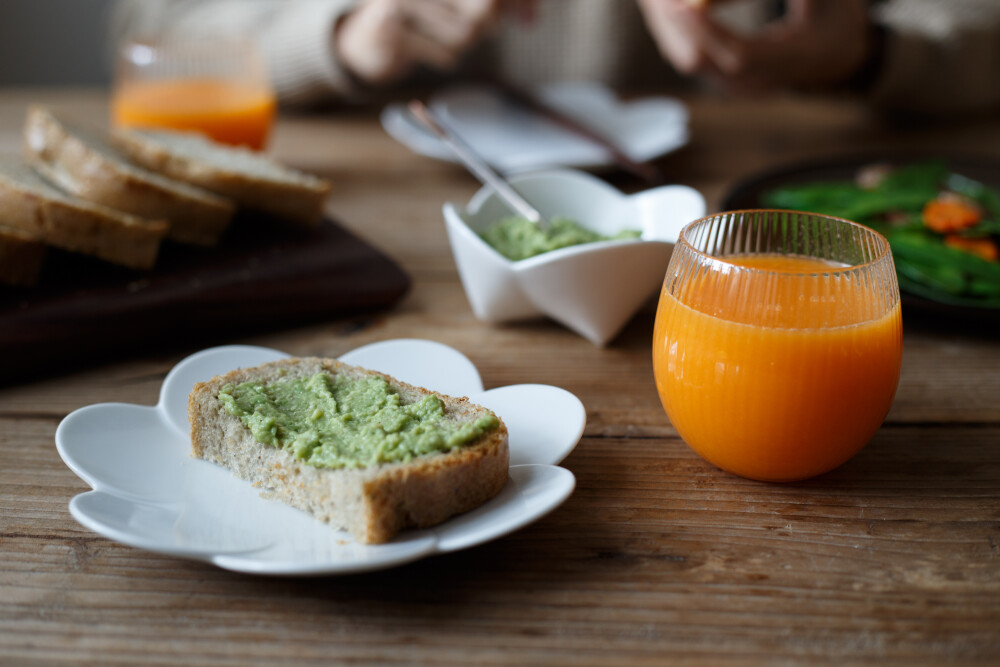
<point x="940" y="214"/>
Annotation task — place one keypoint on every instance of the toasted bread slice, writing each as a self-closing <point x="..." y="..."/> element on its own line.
<point x="30" y="203"/>
<point x="251" y="180"/>
<point x="372" y="503"/>
<point x="82" y="161"/>
<point x="21" y="256"/>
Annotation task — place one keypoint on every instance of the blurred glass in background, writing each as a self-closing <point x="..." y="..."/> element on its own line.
<point x="218" y="87"/>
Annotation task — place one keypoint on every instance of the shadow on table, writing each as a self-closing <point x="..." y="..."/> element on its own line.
<point x="927" y="459"/>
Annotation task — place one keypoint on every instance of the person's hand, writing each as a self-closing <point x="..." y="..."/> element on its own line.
<point x="816" y="43"/>
<point x="383" y="40"/>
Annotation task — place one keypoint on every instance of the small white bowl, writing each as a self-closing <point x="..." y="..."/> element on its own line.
<point x="593" y="289"/>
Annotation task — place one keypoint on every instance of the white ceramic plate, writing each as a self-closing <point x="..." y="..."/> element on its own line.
<point x="514" y="139"/>
<point x="149" y="492"/>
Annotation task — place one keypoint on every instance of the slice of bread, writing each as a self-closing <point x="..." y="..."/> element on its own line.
<point x="250" y="179"/>
<point x="372" y="503"/>
<point x="21" y="256"/>
<point x="33" y="205"/>
<point x="82" y="161"/>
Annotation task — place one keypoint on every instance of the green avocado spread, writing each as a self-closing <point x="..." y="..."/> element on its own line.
<point x="336" y="422"/>
<point x="519" y="238"/>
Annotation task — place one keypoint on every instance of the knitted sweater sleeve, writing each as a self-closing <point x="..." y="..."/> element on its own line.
<point x="939" y="56"/>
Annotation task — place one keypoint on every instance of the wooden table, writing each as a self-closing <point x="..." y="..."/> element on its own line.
<point x="656" y="558"/>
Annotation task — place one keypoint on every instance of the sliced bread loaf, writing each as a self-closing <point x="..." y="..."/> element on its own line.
<point x="21" y="256"/>
<point x="31" y="204"/>
<point x="82" y="161"/>
<point x="373" y="503"/>
<point x="250" y="179"/>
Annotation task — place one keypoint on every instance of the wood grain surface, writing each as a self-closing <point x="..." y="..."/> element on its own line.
<point x="657" y="558"/>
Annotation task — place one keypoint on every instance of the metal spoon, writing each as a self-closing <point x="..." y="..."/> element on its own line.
<point x="475" y="164"/>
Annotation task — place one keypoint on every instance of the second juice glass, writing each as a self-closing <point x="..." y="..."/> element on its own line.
<point x="218" y="88"/>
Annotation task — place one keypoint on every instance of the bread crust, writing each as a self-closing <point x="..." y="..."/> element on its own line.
<point x="80" y="227"/>
<point x="93" y="173"/>
<point x="300" y="203"/>
<point x="374" y="503"/>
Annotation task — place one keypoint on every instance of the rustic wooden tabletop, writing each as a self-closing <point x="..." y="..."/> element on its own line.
<point x="656" y="558"/>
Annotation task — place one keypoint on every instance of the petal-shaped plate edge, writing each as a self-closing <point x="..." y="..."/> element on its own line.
<point x="65" y="444"/>
<point x="417" y="545"/>
<point x="497" y="517"/>
<point x="395" y="357"/>
<point x="547" y="428"/>
<point x="74" y="451"/>
<point x="87" y="508"/>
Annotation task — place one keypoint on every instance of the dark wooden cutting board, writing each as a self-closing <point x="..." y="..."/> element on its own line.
<point x="262" y="276"/>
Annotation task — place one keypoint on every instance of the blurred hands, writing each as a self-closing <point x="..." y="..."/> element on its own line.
<point x="816" y="43"/>
<point x="383" y="40"/>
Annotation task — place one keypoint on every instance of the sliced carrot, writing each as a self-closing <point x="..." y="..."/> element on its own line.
<point x="948" y="214"/>
<point x="984" y="248"/>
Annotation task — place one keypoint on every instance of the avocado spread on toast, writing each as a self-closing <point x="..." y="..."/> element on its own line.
<point x="332" y="421"/>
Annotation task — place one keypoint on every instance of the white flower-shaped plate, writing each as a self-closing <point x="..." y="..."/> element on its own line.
<point x="515" y="139"/>
<point x="148" y="492"/>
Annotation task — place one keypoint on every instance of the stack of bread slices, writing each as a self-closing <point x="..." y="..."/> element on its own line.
<point x="118" y="195"/>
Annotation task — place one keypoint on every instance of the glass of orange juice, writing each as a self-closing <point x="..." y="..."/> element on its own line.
<point x="219" y="88"/>
<point x="778" y="341"/>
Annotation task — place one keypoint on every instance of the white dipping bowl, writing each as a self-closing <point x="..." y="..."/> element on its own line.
<point x="593" y="289"/>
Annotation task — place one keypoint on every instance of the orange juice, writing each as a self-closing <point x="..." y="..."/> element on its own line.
<point x="789" y="393"/>
<point x="229" y="112"/>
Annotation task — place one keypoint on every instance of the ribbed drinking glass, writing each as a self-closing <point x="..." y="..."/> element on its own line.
<point x="778" y="341"/>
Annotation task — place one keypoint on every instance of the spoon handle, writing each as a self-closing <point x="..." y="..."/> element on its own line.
<point x="474" y="163"/>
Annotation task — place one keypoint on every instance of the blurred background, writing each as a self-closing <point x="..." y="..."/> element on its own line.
<point x="54" y="42"/>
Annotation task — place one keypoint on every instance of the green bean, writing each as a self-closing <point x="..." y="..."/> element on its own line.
<point x="984" y="228"/>
<point x="985" y="288"/>
<point x="929" y="250"/>
<point x="938" y="276"/>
